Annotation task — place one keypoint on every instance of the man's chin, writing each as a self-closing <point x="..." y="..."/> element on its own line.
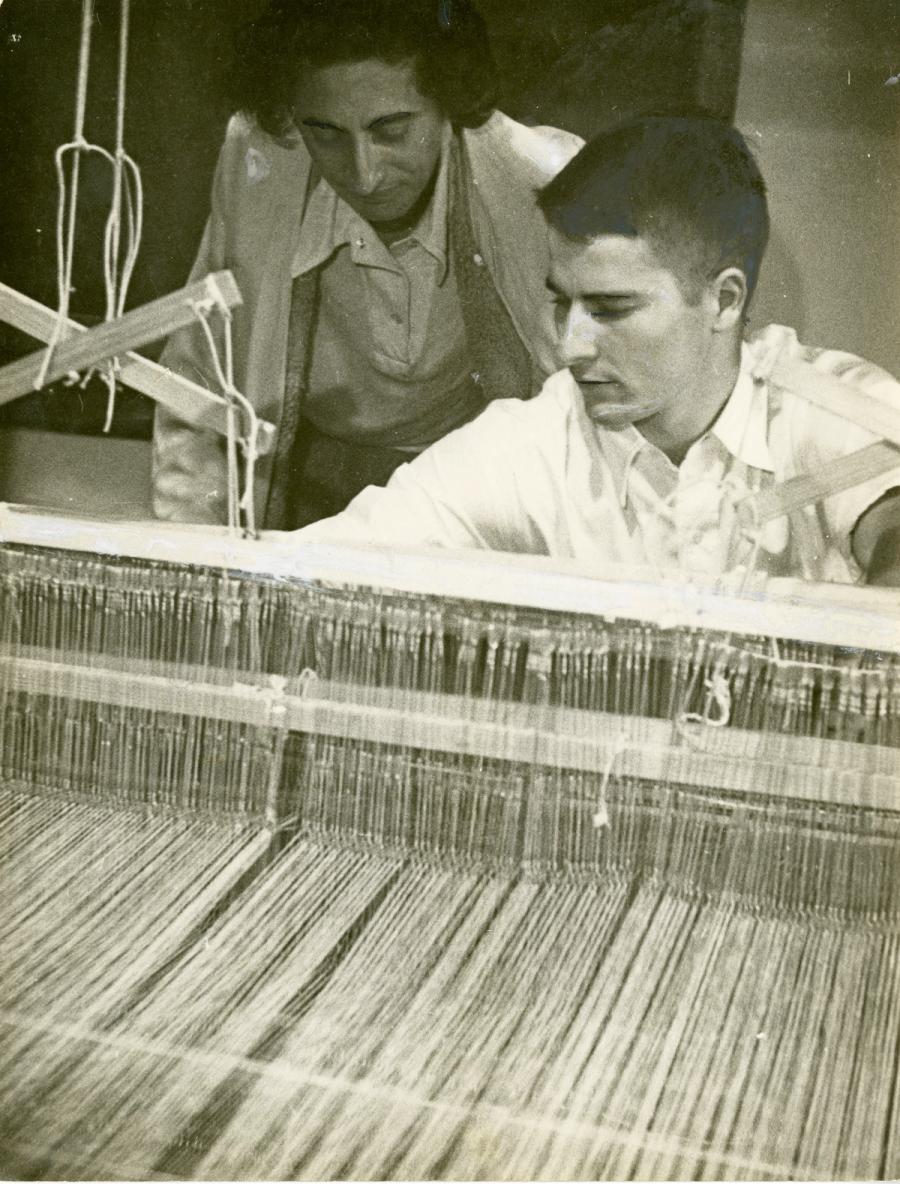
<point x="614" y="416"/>
<point x="620" y="415"/>
<point x="602" y="406"/>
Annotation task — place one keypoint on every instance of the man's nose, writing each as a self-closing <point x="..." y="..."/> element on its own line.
<point x="578" y="338"/>
<point x="366" y="167"/>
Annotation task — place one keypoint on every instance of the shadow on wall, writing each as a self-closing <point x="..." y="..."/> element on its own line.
<point x="780" y="295"/>
<point x="679" y="55"/>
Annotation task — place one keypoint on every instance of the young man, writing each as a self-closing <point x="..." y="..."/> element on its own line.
<point x="378" y="215"/>
<point x="665" y="421"/>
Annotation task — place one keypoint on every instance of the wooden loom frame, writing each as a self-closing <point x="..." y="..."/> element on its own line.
<point x="731" y="759"/>
<point x="151" y="322"/>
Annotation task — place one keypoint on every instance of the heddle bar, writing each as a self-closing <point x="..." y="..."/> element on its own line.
<point x="814" y="770"/>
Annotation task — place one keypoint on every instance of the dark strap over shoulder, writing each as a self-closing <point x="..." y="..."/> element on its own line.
<point x="499" y="358"/>
<point x="301" y="327"/>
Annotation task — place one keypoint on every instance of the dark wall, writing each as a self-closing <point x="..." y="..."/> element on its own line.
<point x="579" y="64"/>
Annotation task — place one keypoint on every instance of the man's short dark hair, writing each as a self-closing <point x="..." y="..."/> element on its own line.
<point x="689" y="185"/>
<point x="447" y="39"/>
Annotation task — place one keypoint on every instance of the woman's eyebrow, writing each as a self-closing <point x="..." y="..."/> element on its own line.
<point x="392" y="118"/>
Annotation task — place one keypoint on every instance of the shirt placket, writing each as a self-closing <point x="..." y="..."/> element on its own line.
<point x="698" y="510"/>
<point x="388" y="292"/>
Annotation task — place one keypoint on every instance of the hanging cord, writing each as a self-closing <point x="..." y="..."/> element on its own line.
<point x="126" y="181"/>
<point x="238" y="503"/>
<point x="717" y="702"/>
<point x="619" y="747"/>
<point x="65" y="225"/>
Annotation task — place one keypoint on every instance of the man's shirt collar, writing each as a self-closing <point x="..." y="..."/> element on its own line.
<point x="743" y="423"/>
<point x="742" y="428"/>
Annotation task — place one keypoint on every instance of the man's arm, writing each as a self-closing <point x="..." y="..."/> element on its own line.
<point x="472" y="489"/>
<point x="876" y="541"/>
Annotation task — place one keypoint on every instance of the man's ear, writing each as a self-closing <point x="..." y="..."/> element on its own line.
<point x="729" y="293"/>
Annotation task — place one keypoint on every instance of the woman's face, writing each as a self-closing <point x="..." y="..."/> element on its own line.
<point x="372" y="134"/>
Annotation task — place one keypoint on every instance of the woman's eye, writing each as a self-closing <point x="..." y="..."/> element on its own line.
<point x="392" y="133"/>
<point x="324" y="135"/>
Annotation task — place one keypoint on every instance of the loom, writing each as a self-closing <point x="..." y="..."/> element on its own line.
<point x="353" y="864"/>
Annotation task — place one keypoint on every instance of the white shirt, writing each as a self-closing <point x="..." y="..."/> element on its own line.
<point x="540" y="477"/>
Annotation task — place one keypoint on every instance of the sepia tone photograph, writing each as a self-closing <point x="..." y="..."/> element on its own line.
<point x="450" y="590"/>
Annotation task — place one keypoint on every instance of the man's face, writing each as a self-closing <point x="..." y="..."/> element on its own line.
<point x="635" y="344"/>
<point x="373" y="136"/>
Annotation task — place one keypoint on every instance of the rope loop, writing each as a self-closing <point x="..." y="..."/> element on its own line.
<point x="118" y="267"/>
<point x="241" y="503"/>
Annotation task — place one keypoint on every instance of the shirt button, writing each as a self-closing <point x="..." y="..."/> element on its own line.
<point x="478" y="260"/>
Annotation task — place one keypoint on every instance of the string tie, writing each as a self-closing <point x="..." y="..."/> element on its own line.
<point x="601" y="814"/>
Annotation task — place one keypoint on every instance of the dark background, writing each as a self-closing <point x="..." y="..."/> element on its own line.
<point x="578" y="64"/>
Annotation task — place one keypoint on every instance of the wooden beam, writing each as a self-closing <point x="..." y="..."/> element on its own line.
<point x="842" y="473"/>
<point x="840" y="398"/>
<point x="823" y="614"/>
<point x="188" y="400"/>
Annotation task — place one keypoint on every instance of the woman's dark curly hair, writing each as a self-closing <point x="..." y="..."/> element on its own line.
<point x="447" y="39"/>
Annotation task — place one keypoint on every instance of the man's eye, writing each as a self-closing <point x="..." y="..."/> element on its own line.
<point x="611" y="314"/>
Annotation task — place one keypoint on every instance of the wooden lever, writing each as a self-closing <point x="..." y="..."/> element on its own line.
<point x="86" y="347"/>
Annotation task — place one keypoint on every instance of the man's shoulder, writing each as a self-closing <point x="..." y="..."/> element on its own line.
<point x="535" y="154"/>
<point x="514" y="426"/>
<point x="540" y="426"/>
<point x="506" y="468"/>
<point x="550" y="408"/>
<point x="775" y="346"/>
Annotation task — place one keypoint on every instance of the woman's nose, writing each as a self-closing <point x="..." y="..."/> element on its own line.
<point x="366" y="167"/>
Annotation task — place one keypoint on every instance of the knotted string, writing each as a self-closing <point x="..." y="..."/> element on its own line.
<point x="238" y="502"/>
<point x="127" y="188"/>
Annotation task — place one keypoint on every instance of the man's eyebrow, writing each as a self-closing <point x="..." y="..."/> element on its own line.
<point x="313" y="122"/>
<point x="597" y="297"/>
<point x="613" y="296"/>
